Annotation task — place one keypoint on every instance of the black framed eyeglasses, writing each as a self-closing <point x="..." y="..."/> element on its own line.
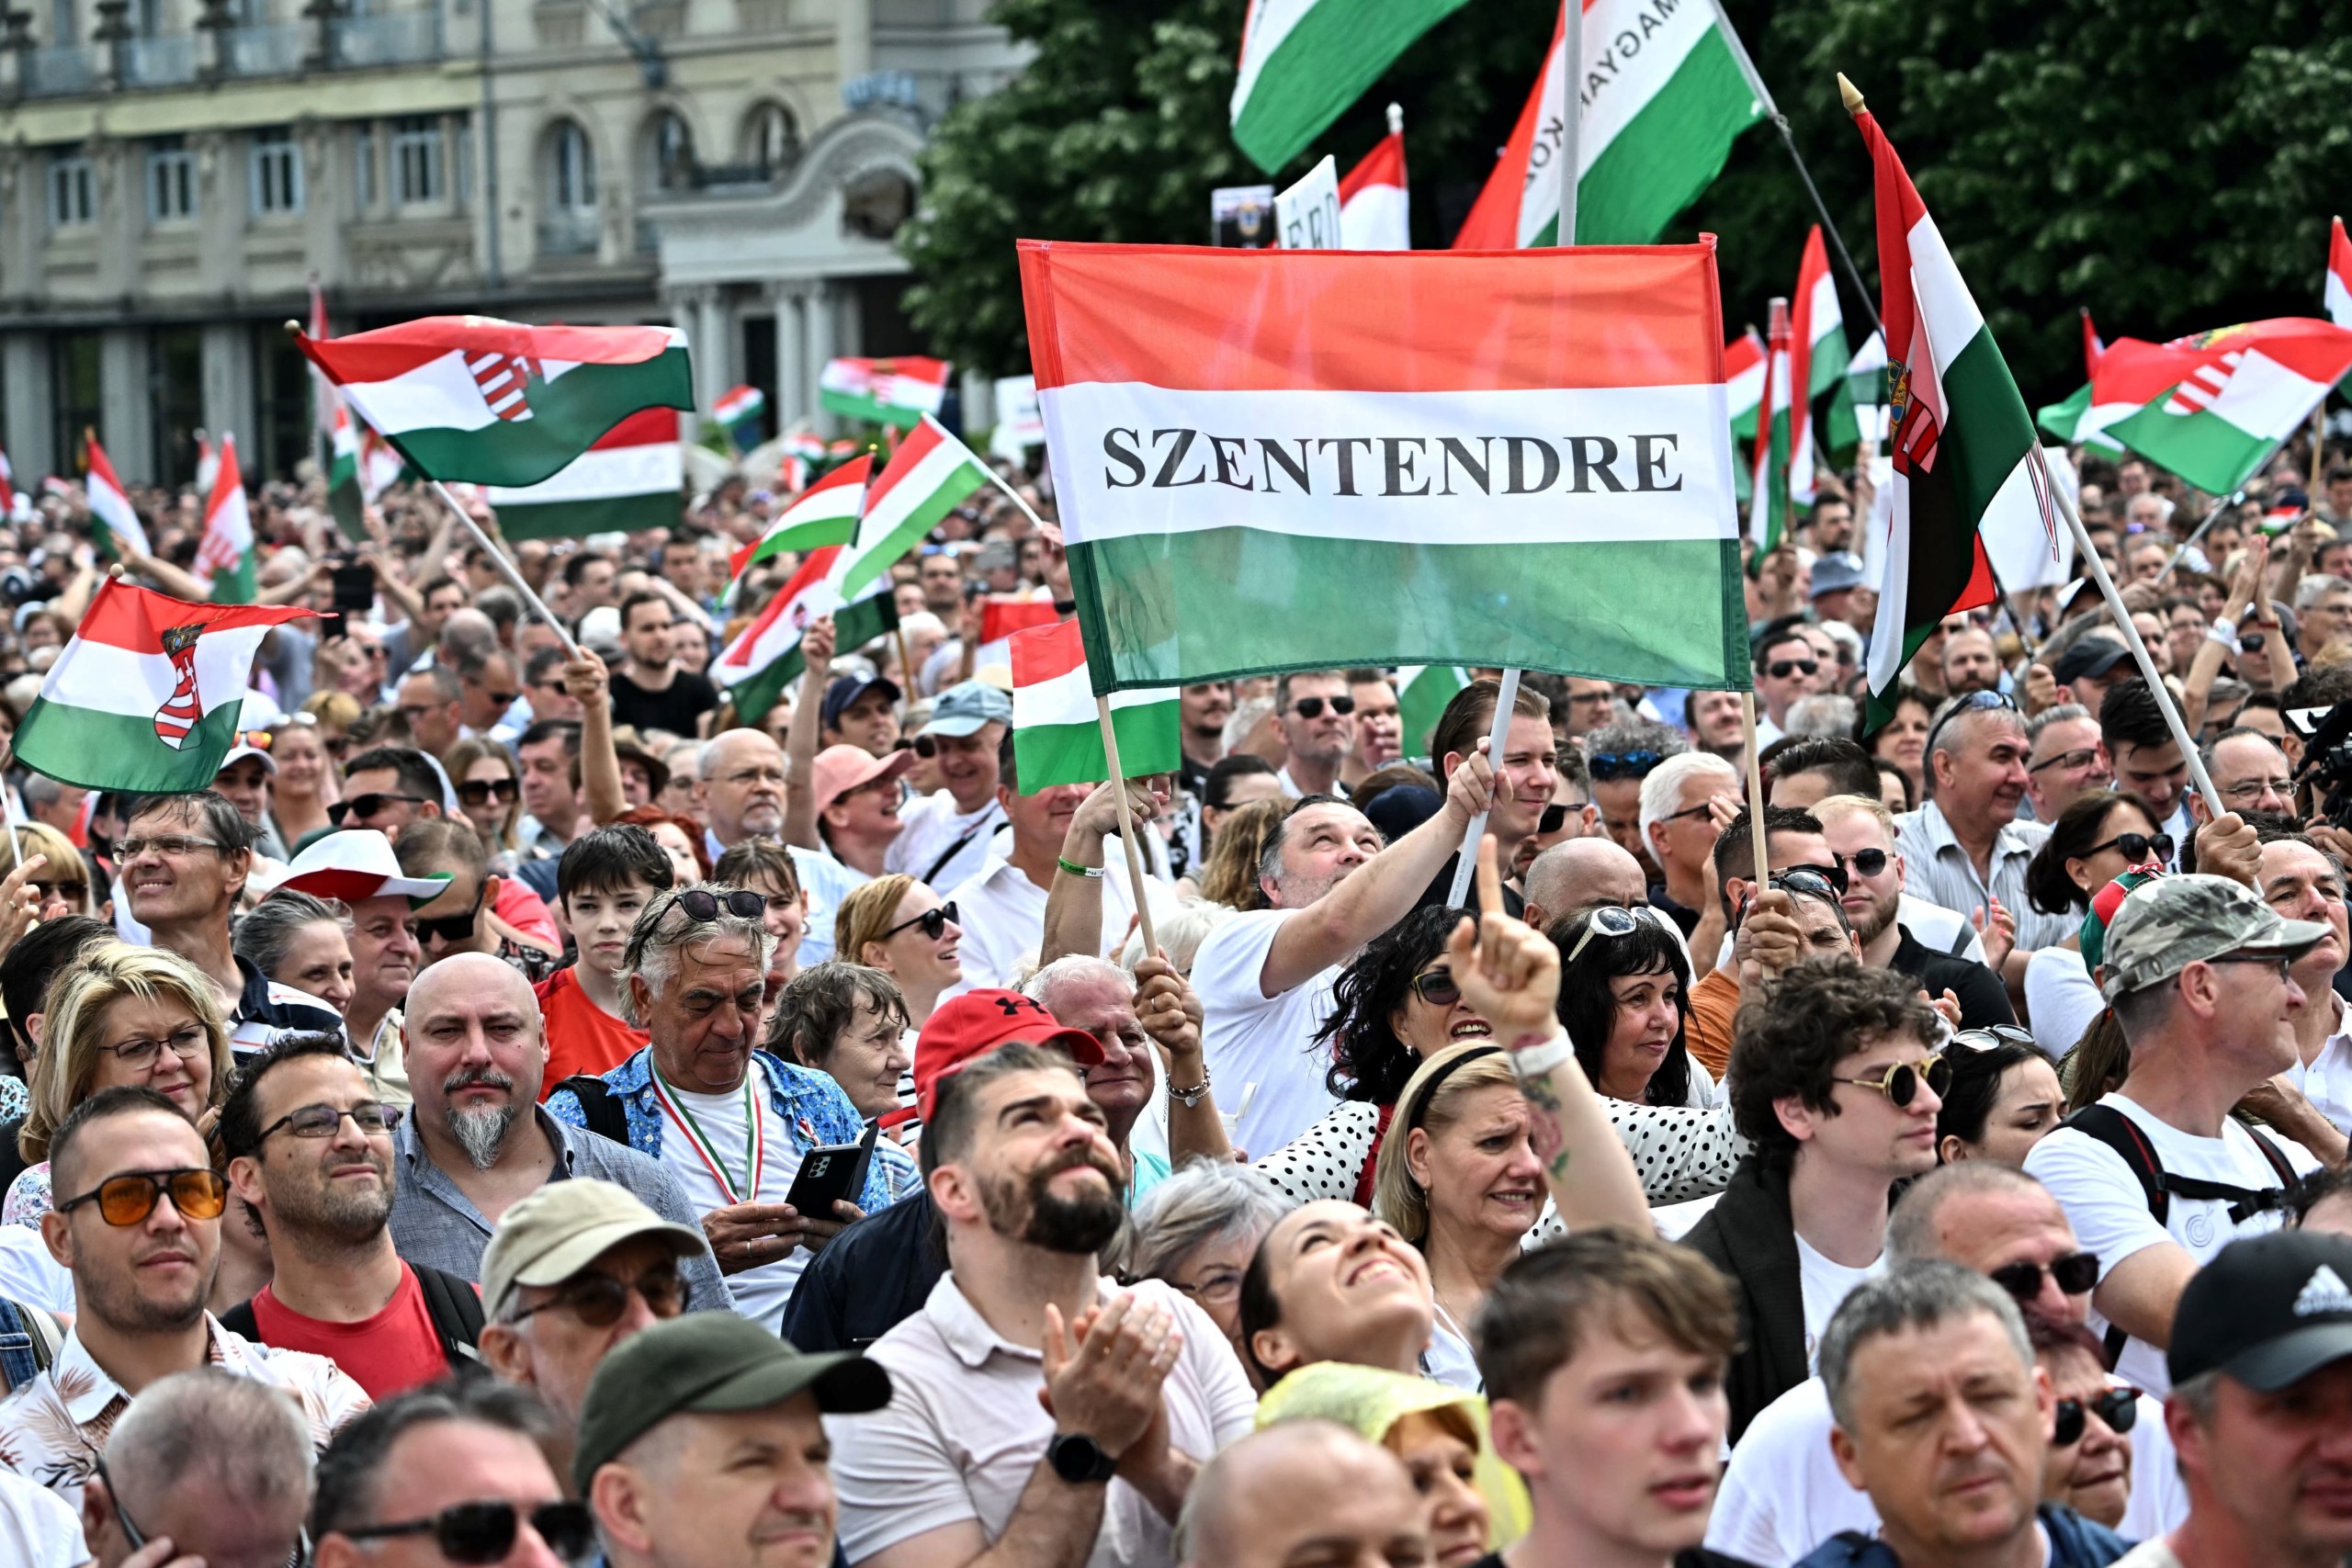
<point x="1975" y="701"/>
<point x="2118" y="1407"/>
<point x="1312" y="707"/>
<point x="598" y="1300"/>
<point x="1605" y="765"/>
<point x="2075" y="1272"/>
<point x="373" y="1118"/>
<point x="1900" y="1081"/>
<point x="935" y="923"/>
<point x="702" y="905"/>
<point x="2137" y="847"/>
<point x="367" y="806"/>
<point x="126" y="1200"/>
<point x="2080" y="757"/>
<point x="482" y="1533"/>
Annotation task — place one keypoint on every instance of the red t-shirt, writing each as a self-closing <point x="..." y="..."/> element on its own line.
<point x="581" y="1037"/>
<point x="397" y="1348"/>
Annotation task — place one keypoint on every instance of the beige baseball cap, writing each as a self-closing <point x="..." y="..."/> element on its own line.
<point x="562" y="1228"/>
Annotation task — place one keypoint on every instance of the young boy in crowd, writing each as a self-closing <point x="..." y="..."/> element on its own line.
<point x="603" y="881"/>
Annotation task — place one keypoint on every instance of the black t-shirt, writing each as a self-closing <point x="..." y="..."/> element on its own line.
<point x="675" y="708"/>
<point x="1983" y="1000"/>
<point x="871" y="1277"/>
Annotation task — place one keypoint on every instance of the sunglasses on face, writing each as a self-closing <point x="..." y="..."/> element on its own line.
<point x="479" y="1534"/>
<point x="1900" y="1080"/>
<point x="2137" y="847"/>
<point x="373" y="1119"/>
<point x="2118" y="1407"/>
<point x="367" y="806"/>
<point x="933" y="923"/>
<point x="598" y="1300"/>
<point x="1782" y="669"/>
<point x="71" y="892"/>
<point x="126" y="1200"/>
<point x="1623" y="764"/>
<point x="1437" y="988"/>
<point x="922" y="745"/>
<point x="2076" y="1272"/>
<point x="451" y="928"/>
<point x="1556" y="817"/>
<point x="1867" y="863"/>
<point x="1610" y="921"/>
<point x="480" y="792"/>
<point x="1312" y="707"/>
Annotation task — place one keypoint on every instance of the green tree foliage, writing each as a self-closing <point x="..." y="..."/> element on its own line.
<point x="2170" y="163"/>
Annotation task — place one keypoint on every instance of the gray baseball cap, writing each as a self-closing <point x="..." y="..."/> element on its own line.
<point x="2176" y="921"/>
<point x="963" y="709"/>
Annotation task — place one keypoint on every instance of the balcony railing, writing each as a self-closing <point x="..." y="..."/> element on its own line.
<point x="60" y="72"/>
<point x="569" y="234"/>
<point x="275" y="50"/>
<point x="160" y="61"/>
<point x="401" y="37"/>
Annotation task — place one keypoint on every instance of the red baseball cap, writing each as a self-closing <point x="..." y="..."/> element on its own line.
<point x="972" y="1025"/>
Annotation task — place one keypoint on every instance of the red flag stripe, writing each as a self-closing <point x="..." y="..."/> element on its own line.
<point x="1040" y="653"/>
<point x="135" y="618"/>
<point x="387" y="351"/>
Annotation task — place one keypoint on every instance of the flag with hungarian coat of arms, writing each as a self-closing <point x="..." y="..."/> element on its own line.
<point x="146" y="696"/>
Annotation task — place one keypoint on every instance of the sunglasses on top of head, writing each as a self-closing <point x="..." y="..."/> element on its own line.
<point x="1607" y="766"/>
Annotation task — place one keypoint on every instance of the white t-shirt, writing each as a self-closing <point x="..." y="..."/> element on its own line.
<point x="37" y="1529"/>
<point x="28" y="1274"/>
<point x="929" y="826"/>
<point x="2109" y="1208"/>
<point x="1260" y="1049"/>
<point x="1782" y="1495"/>
<point x="2149" y="1554"/>
<point x="760" y="1293"/>
<point x="827" y="882"/>
<point x="1002" y="914"/>
<point x="2060" y="998"/>
<point x="1826" y="1284"/>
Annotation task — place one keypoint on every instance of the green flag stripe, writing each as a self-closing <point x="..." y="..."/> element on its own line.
<point x="1150" y="742"/>
<point x="599" y="515"/>
<point x="1668" y="152"/>
<point x="1336" y="50"/>
<point x="567" y="414"/>
<point x="95" y="750"/>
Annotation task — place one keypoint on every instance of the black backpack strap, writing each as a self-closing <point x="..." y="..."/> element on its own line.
<point x="239" y="1321"/>
<point x="2287" y="1174"/>
<point x="989" y="822"/>
<point x="605" y="1115"/>
<point x="455" y="1307"/>
<point x="2112" y="1127"/>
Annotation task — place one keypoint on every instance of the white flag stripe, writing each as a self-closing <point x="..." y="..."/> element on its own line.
<point x="1270" y="22"/>
<point x="1630" y="50"/>
<point x="1746" y="389"/>
<point x="439" y="395"/>
<point x="114" y="509"/>
<point x="2340" y="300"/>
<point x="2265" y="398"/>
<point x="1068" y="698"/>
<point x="1947" y="312"/>
<point x="113" y="679"/>
<point x="1118" y="500"/>
<point x="603" y="471"/>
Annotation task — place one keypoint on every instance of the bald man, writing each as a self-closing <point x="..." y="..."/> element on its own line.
<point x="1303" y="1490"/>
<point x="1581" y="874"/>
<point x="477" y="1142"/>
<point x="740" y="791"/>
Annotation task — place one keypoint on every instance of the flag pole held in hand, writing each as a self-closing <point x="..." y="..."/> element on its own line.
<point x="1126" y="826"/>
<point x="1755" y="792"/>
<point x="506" y="568"/>
<point x="1498" y="737"/>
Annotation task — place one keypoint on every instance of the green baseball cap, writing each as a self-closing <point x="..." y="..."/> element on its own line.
<point x="710" y="1363"/>
<point x="2175" y="922"/>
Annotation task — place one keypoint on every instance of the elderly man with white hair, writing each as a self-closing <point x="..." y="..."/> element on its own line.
<point x="1685" y="802"/>
<point x="729" y="1123"/>
<point x="220" y="1466"/>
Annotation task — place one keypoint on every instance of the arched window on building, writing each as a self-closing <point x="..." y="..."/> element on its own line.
<point x="669" y="152"/>
<point x="771" y="138"/>
<point x="571" y="169"/>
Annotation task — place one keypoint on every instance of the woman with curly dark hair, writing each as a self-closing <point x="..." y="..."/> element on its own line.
<point x="1623" y="986"/>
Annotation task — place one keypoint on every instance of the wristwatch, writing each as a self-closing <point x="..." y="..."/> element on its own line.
<point x="1080" y="1460"/>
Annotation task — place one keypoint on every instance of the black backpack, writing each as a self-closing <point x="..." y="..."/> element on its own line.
<point x="452" y="1302"/>
<point x="599" y="1107"/>
<point x="2120" y="1132"/>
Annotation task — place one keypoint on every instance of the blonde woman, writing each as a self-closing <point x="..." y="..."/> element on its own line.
<point x="304" y="784"/>
<point x="64" y="882"/>
<point x="123" y="1015"/>
<point x="899" y="926"/>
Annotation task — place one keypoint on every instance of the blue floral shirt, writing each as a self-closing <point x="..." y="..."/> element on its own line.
<point x="809" y="1102"/>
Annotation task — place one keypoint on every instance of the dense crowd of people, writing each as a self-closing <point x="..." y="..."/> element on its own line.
<point x="533" y="1110"/>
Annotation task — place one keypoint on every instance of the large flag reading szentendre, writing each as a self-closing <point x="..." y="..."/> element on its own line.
<point x="146" y="696"/>
<point x="1667" y="92"/>
<point x="1316" y="459"/>
<point x="1962" y="445"/>
<point x="1302" y="62"/>
<point x="493" y="402"/>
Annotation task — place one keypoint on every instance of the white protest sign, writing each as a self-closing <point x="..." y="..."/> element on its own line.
<point x="1306" y="216"/>
<point x="1018" y="423"/>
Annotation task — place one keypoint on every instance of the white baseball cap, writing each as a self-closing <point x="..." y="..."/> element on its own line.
<point x="357" y="863"/>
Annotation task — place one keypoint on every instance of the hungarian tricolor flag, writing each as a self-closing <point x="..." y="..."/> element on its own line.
<point x="108" y="503"/>
<point x="766" y="657"/>
<point x="929" y="475"/>
<point x="1962" y="446"/>
<point x="884" y="391"/>
<point x="345" y="500"/>
<point x="224" y="555"/>
<point x="824" y="513"/>
<point x="1744" y="359"/>
<point x="1667" y="89"/>
<point x="2337" y="289"/>
<point x="1819" y="424"/>
<point x="1302" y="62"/>
<point x="628" y="479"/>
<point x="1056" y="730"/>
<point x="493" y="402"/>
<point x="146" y="696"/>
<point x="1422" y="692"/>
<point x="738" y="414"/>
<point x="1767" y="485"/>
<point x="1001" y="615"/>
<point x="1327" y="459"/>
<point x="2240" y="393"/>
<point x="2127" y="375"/>
<point x="1865" y="389"/>
<point x="1375" y="212"/>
